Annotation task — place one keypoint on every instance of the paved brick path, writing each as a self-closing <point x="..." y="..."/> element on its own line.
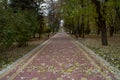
<point x="59" y="59"/>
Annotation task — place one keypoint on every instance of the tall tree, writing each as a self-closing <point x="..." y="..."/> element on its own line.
<point x="54" y="15"/>
<point x="100" y="10"/>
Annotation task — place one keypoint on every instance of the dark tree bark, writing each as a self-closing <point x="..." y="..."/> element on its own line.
<point x="82" y="27"/>
<point x="87" y="31"/>
<point x="79" y="27"/>
<point x="101" y="21"/>
<point x="111" y="31"/>
<point x="104" y="33"/>
<point x="82" y="20"/>
<point x="112" y="24"/>
<point x="99" y="30"/>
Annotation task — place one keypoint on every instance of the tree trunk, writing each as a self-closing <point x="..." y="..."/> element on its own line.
<point x="104" y="35"/>
<point x="34" y="35"/>
<point x="39" y="35"/>
<point x="88" y="27"/>
<point x="101" y="21"/>
<point x="111" y="31"/>
<point x="82" y="27"/>
<point x="82" y="24"/>
<point x="98" y="32"/>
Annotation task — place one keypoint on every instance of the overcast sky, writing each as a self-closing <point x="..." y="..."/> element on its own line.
<point x="45" y="6"/>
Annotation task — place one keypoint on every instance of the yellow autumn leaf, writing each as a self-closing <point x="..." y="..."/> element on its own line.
<point x="59" y="78"/>
<point x="83" y="78"/>
<point x="36" y="78"/>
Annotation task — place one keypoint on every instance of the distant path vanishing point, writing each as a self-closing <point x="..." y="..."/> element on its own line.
<point x="59" y="59"/>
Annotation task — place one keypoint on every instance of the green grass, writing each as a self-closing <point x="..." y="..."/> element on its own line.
<point x="111" y="53"/>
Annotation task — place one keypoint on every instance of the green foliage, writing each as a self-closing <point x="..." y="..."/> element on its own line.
<point x="18" y="27"/>
<point x="48" y="30"/>
<point x="5" y="30"/>
<point x="77" y="14"/>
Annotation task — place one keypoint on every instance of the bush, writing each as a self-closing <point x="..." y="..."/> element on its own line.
<point x="17" y="27"/>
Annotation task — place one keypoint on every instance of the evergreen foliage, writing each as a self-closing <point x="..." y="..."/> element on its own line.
<point x="19" y="22"/>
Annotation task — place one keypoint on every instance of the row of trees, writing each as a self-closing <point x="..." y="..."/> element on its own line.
<point x="54" y="14"/>
<point x="79" y="15"/>
<point x="20" y="20"/>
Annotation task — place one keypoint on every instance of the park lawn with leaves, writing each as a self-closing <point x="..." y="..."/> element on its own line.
<point x="110" y="53"/>
<point x="13" y="53"/>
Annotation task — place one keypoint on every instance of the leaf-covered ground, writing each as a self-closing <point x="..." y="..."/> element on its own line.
<point x="12" y="54"/>
<point x="59" y="59"/>
<point x="111" y="53"/>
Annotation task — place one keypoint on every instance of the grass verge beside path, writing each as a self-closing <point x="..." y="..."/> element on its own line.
<point x="110" y="53"/>
<point x="9" y="56"/>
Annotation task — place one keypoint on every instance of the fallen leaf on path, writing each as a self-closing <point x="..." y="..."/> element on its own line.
<point x="36" y="78"/>
<point x="59" y="78"/>
<point x="83" y="78"/>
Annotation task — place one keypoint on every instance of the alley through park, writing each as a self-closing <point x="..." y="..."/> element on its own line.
<point x="60" y="58"/>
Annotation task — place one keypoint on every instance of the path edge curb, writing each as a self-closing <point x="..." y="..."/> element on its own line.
<point x="92" y="53"/>
<point x="31" y="52"/>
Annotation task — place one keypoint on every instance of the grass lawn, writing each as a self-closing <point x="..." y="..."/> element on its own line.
<point x="111" y="53"/>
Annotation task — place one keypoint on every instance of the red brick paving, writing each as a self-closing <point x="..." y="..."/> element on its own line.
<point x="60" y="59"/>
